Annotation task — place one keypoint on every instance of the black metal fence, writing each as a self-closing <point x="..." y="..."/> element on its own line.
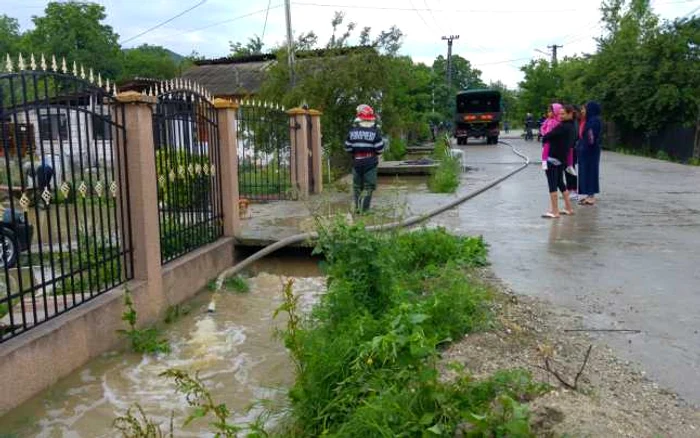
<point x="65" y="222"/>
<point x="264" y="152"/>
<point x="676" y="142"/>
<point x="186" y="135"/>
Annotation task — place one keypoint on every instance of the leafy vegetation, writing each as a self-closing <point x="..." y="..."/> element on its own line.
<point x="175" y="312"/>
<point x="445" y="177"/>
<point x="177" y="239"/>
<point x="366" y="359"/>
<point x="76" y="31"/>
<point x="644" y="73"/>
<point x="396" y="150"/>
<point x="142" y="340"/>
<point x="236" y="283"/>
<point x="96" y="263"/>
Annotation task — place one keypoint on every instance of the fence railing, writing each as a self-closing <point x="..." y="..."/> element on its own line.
<point x="264" y="152"/>
<point x="186" y="137"/>
<point x="64" y="233"/>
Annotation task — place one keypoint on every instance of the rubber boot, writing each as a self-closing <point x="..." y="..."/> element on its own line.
<point x="366" y="201"/>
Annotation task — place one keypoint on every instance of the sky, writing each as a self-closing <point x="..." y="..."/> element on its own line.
<point x="496" y="36"/>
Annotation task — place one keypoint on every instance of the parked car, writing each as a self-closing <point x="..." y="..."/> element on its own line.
<point x="15" y="236"/>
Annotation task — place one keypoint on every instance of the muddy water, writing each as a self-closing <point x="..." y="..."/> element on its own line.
<point x="234" y="350"/>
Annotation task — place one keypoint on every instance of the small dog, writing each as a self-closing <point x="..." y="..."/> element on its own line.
<point x="243" y="208"/>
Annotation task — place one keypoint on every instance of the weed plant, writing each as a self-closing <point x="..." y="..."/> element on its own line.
<point x="142" y="340"/>
<point x="366" y="357"/>
<point x="445" y="177"/>
<point x="237" y="284"/>
<point x="396" y="150"/>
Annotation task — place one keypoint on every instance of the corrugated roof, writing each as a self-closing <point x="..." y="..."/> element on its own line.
<point x="230" y="79"/>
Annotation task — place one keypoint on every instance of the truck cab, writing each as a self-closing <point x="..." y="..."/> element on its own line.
<point x="477" y="115"/>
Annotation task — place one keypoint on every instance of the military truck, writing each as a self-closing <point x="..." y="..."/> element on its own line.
<point x="477" y="115"/>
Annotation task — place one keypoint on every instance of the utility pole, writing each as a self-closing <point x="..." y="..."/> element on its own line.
<point x="449" y="40"/>
<point x="554" y="53"/>
<point x="290" y="42"/>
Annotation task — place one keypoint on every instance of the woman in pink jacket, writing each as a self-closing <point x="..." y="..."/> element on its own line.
<point x="547" y="127"/>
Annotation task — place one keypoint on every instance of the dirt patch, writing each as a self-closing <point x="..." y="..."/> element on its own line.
<point x="613" y="399"/>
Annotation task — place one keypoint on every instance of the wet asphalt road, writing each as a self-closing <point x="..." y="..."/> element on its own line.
<point x="631" y="262"/>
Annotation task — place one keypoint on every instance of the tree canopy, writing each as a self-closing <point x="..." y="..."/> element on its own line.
<point x="76" y="31"/>
<point x="645" y="72"/>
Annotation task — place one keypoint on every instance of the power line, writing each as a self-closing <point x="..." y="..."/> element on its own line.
<point x="267" y="12"/>
<point x="476" y="11"/>
<point x="440" y="28"/>
<point x="165" y="22"/>
<point x="219" y="23"/>
<point x="419" y="15"/>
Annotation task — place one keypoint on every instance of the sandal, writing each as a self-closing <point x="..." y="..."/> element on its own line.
<point x="550" y="215"/>
<point x="567" y="212"/>
<point x="586" y="201"/>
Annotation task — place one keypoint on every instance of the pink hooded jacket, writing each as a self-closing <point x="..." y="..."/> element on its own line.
<point x="548" y="126"/>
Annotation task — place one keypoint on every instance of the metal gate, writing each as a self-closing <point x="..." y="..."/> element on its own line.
<point x="264" y="152"/>
<point x="65" y="228"/>
<point x="186" y="137"/>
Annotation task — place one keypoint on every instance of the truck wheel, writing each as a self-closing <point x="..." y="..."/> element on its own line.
<point x="9" y="248"/>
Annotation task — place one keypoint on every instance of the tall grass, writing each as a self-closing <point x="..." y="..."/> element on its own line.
<point x="367" y="356"/>
<point x="445" y="177"/>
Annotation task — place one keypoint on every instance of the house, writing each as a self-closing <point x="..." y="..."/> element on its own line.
<point x="70" y="132"/>
<point x="243" y="77"/>
<point x="232" y="78"/>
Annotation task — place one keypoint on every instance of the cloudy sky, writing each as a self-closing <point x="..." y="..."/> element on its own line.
<point x="497" y="36"/>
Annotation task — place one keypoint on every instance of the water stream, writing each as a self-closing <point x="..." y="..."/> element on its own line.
<point x="234" y="350"/>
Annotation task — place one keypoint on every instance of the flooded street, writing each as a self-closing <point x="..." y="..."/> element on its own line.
<point x="234" y="350"/>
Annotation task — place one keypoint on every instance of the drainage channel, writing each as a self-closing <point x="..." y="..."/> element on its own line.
<point x="233" y="349"/>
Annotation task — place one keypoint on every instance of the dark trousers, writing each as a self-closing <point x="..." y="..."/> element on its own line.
<point x="364" y="182"/>
<point x="555" y="178"/>
<point x="572" y="180"/>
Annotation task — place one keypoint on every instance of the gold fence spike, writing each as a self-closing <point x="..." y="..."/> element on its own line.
<point x="91" y="77"/>
<point x="64" y="67"/>
<point x="54" y="65"/>
<point x="99" y="80"/>
<point x="43" y="63"/>
<point x="8" y="64"/>
<point x="75" y="69"/>
<point x="82" y="72"/>
<point x="20" y="63"/>
<point x="32" y="62"/>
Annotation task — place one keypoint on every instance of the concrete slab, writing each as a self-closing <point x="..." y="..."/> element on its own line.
<point x="406" y="167"/>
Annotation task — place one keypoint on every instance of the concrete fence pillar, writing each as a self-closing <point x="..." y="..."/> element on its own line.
<point x="301" y="151"/>
<point x="316" y="151"/>
<point x="140" y="172"/>
<point x="228" y="145"/>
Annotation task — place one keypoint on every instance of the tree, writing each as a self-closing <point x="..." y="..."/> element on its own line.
<point x="254" y="46"/>
<point x="75" y="31"/>
<point x="463" y="77"/>
<point x="9" y="35"/>
<point x="341" y="78"/>
<point x="149" y="61"/>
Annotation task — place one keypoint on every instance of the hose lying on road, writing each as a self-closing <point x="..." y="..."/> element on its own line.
<point x="384" y="227"/>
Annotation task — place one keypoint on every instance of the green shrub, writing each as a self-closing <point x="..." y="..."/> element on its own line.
<point x="445" y="177"/>
<point x="366" y="359"/>
<point x="96" y="263"/>
<point x="663" y="155"/>
<point x="142" y="340"/>
<point x="177" y="239"/>
<point x="695" y="161"/>
<point x="179" y="187"/>
<point x="236" y="284"/>
<point x="396" y="150"/>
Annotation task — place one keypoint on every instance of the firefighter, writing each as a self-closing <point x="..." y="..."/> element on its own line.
<point x="365" y="143"/>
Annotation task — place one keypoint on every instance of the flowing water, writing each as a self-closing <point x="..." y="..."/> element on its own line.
<point x="234" y="350"/>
